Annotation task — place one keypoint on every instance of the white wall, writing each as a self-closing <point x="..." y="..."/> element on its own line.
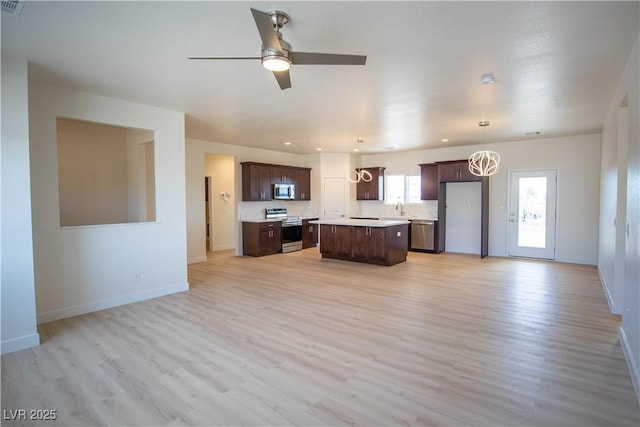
<point x="83" y="269"/>
<point x="619" y="263"/>
<point x="17" y="284"/>
<point x="577" y="159"/>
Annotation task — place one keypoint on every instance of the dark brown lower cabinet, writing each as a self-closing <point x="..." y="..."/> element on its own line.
<point x="335" y="241"/>
<point x="261" y="238"/>
<point x="369" y="244"/>
<point x="309" y="233"/>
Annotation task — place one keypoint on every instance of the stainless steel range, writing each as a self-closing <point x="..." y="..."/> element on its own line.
<point x="291" y="228"/>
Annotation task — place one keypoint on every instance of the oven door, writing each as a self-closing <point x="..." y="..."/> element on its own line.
<point x="291" y="237"/>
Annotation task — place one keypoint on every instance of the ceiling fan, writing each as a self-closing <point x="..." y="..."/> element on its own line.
<point x="278" y="55"/>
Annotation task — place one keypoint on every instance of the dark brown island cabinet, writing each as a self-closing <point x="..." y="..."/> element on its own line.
<point x="335" y="241"/>
<point x="356" y="240"/>
<point x="373" y="189"/>
<point x="258" y="180"/>
<point x="261" y="238"/>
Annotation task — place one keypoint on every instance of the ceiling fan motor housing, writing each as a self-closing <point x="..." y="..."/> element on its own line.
<point x="278" y="19"/>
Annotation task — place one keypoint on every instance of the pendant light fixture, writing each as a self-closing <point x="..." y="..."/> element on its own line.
<point x="359" y="174"/>
<point x="484" y="162"/>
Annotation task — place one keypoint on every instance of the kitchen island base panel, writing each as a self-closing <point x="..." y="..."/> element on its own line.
<point x="372" y="245"/>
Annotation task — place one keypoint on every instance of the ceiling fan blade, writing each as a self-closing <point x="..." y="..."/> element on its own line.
<point x="308" y="58"/>
<point x="283" y="78"/>
<point x="224" y="57"/>
<point x="267" y="33"/>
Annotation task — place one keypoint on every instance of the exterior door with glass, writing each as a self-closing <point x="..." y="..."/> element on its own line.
<point x="532" y="214"/>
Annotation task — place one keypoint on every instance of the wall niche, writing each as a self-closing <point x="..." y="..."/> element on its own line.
<point x="106" y="173"/>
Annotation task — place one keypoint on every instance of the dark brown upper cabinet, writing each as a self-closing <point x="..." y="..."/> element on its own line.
<point x="429" y="181"/>
<point x="258" y="180"/>
<point x="456" y="171"/>
<point x="374" y="189"/>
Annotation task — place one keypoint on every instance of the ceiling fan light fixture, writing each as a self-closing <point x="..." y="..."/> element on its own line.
<point x="276" y="62"/>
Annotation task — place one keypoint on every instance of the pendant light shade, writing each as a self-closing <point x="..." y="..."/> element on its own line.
<point x="484" y="163"/>
<point x="359" y="175"/>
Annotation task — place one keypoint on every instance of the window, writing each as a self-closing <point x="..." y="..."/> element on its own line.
<point x="403" y="189"/>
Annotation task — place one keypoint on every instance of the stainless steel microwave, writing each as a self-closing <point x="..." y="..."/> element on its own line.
<point x="284" y="191"/>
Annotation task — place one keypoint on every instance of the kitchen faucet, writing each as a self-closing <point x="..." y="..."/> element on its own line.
<point x="401" y="208"/>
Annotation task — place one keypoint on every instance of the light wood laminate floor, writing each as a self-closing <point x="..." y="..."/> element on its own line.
<point x="291" y="339"/>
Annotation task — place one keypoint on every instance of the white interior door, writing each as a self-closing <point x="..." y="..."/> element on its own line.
<point x="532" y="214"/>
<point x="334" y="197"/>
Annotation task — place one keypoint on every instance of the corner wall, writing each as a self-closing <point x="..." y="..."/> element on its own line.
<point x="89" y="268"/>
<point x="17" y="283"/>
<point x="619" y="263"/>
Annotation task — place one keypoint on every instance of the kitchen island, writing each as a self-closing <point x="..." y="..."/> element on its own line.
<point x="382" y="242"/>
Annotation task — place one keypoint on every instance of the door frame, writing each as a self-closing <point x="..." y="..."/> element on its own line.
<point x="208" y="210"/>
<point x="540" y="171"/>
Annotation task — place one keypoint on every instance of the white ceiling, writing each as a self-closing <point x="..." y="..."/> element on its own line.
<point x="556" y="65"/>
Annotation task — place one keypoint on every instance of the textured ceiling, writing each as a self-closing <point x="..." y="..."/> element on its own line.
<point x="556" y="66"/>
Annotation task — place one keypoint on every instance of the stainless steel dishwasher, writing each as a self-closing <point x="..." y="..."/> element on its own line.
<point x="422" y="235"/>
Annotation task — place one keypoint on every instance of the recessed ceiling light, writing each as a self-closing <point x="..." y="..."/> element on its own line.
<point x="318" y="149"/>
<point x="287" y="143"/>
<point x="444" y="140"/>
<point x="355" y="149"/>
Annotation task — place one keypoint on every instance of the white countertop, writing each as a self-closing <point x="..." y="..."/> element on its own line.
<point x="360" y="222"/>
<point x="273" y="219"/>
<point x="397" y="217"/>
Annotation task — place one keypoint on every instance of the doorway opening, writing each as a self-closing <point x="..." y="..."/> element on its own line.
<point x="220" y="225"/>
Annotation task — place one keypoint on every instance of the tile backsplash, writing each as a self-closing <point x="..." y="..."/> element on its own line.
<point x="427" y="209"/>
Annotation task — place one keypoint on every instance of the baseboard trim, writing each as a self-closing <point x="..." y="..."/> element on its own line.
<point x="223" y="247"/>
<point x="76" y="310"/>
<point x="605" y="288"/>
<point x="197" y="259"/>
<point x="576" y="261"/>
<point x="633" y="368"/>
<point x="20" y="343"/>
